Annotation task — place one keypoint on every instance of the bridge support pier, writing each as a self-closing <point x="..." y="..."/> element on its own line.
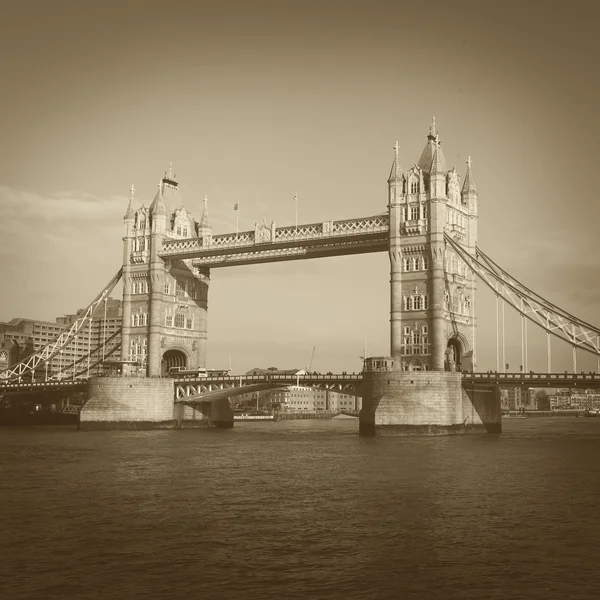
<point x="426" y="402"/>
<point x="129" y="403"/>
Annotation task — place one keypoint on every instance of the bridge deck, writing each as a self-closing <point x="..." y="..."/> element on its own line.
<point x="339" y="381"/>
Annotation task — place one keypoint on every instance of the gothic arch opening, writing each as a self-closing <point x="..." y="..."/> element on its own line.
<point x="172" y="358"/>
<point x="416" y="365"/>
<point x="454" y="352"/>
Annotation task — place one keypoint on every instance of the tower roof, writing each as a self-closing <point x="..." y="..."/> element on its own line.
<point x="158" y="205"/>
<point x="396" y="172"/>
<point x="469" y="184"/>
<point x="433" y="144"/>
<point x="130" y="213"/>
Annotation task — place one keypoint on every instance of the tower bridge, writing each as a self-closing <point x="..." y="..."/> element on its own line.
<point x="429" y="230"/>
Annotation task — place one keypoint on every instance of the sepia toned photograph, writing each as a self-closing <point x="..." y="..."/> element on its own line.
<point x="299" y="300"/>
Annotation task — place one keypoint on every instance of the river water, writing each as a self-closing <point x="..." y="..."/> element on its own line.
<point x="301" y="510"/>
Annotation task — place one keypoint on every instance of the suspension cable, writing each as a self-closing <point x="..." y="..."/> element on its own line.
<point x="57" y="345"/>
<point x="546" y="315"/>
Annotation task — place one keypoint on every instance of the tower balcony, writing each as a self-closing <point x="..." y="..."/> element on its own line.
<point x="458" y="232"/>
<point x="140" y="256"/>
<point x="414" y="227"/>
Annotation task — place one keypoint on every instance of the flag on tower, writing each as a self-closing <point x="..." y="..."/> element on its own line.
<point x="236" y="206"/>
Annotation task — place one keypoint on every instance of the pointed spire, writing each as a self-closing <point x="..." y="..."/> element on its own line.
<point x="204" y="221"/>
<point x="433" y="144"/>
<point x="130" y="214"/>
<point x="469" y="184"/>
<point x="396" y="171"/>
<point x="432" y="130"/>
<point x="438" y="163"/>
<point x="158" y="206"/>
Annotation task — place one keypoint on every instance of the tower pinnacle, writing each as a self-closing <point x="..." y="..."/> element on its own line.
<point x="131" y="206"/>
<point x="158" y="206"/>
<point x="204" y="221"/>
<point x="432" y="130"/>
<point x="469" y="184"/>
<point x="396" y="171"/>
<point x="438" y="163"/>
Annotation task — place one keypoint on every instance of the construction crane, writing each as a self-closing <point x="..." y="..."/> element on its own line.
<point x="311" y="359"/>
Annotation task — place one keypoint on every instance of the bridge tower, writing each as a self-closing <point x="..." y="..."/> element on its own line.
<point x="164" y="302"/>
<point x="432" y="306"/>
<point x="432" y="292"/>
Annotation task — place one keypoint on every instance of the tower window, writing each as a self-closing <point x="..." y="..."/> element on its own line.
<point x="179" y="230"/>
<point x="179" y="321"/>
<point x="185" y="232"/>
<point x="414" y="187"/>
<point x="414" y="213"/>
<point x="169" y="320"/>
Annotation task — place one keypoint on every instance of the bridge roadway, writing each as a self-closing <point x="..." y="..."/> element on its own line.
<point x="343" y="382"/>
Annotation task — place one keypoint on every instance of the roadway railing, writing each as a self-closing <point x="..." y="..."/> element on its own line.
<point x="293" y="379"/>
<point x="558" y="379"/>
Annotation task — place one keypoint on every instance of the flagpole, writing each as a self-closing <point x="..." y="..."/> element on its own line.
<point x="237" y="219"/>
<point x="296" y="203"/>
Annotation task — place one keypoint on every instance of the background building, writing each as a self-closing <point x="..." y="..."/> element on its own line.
<point x="19" y="338"/>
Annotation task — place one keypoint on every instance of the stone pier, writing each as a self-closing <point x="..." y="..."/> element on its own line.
<point x="129" y="403"/>
<point x="424" y="402"/>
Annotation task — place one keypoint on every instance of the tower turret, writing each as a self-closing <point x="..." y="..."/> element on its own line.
<point x="130" y="213"/>
<point x="396" y="179"/>
<point x="204" y="227"/>
<point x="469" y="191"/>
<point x="128" y="240"/>
<point x="158" y="210"/>
<point x="437" y="177"/>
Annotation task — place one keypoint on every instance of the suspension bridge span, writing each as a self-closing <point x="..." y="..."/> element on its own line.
<point x="429" y="381"/>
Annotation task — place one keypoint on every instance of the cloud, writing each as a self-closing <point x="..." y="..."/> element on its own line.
<point x="56" y="250"/>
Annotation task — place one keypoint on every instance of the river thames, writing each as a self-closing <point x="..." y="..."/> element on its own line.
<point x="301" y="510"/>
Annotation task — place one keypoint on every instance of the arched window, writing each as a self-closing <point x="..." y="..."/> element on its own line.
<point x="406" y="264"/>
<point x="424" y="263"/>
<point x="145" y="319"/>
<point x="418" y="302"/>
<point x="415" y="263"/>
<point x="425" y="302"/>
<point x="453" y="264"/>
<point x="141" y="244"/>
<point x="134" y="287"/>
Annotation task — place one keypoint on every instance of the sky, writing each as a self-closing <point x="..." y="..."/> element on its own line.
<point x="254" y="102"/>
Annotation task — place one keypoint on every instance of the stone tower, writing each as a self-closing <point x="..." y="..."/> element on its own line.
<point x="432" y="314"/>
<point x="164" y="303"/>
<point x="432" y="291"/>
